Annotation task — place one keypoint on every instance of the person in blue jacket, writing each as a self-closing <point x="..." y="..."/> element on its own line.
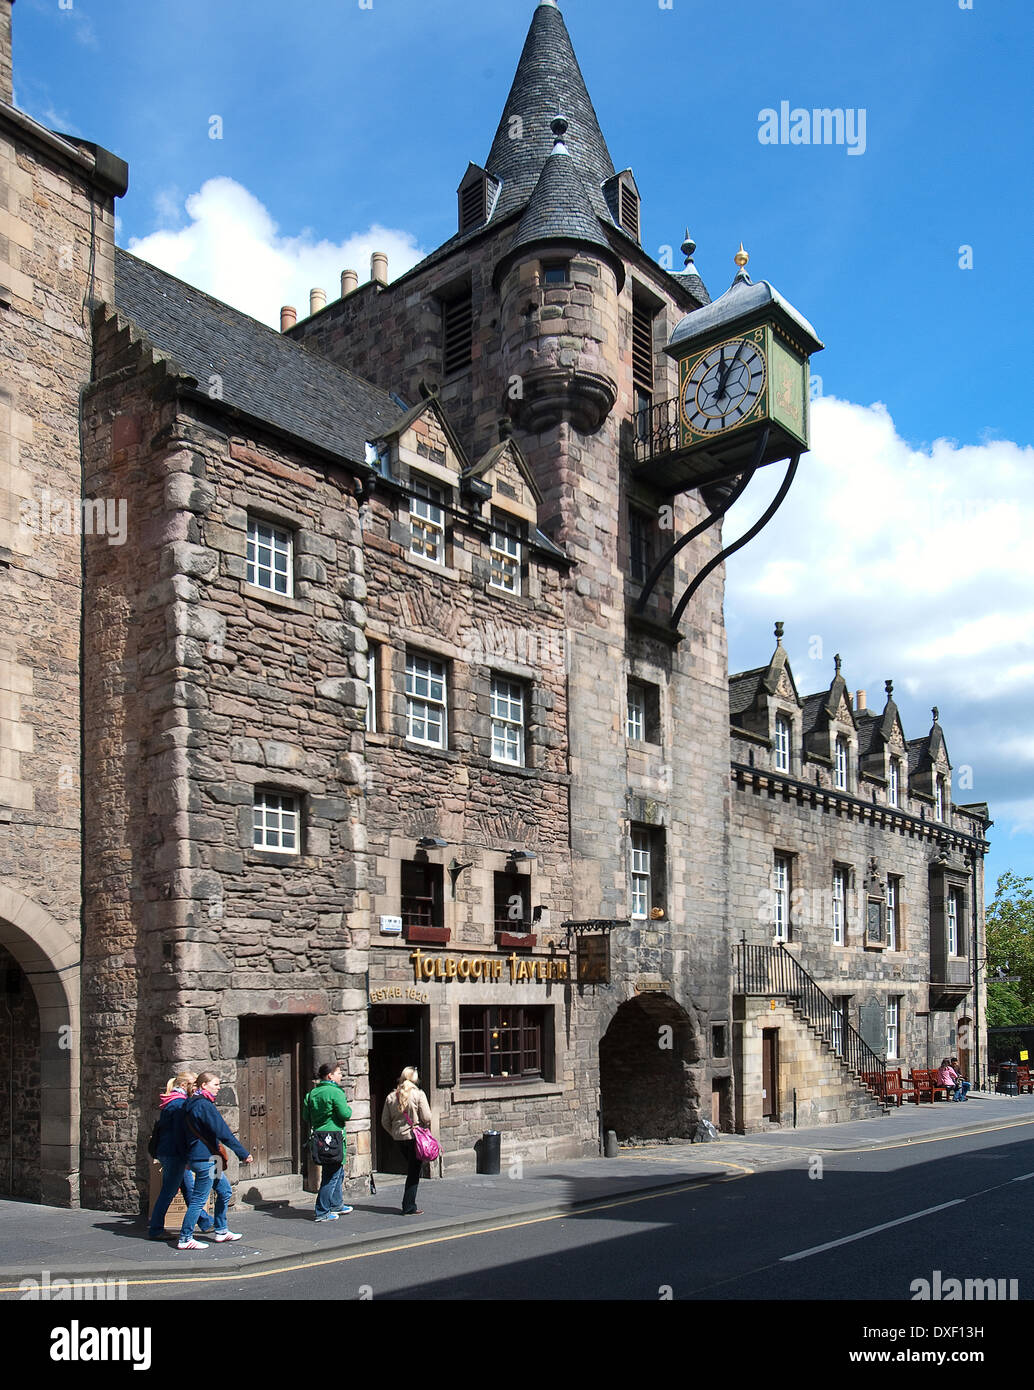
<point x="206" y="1131"/>
<point x="172" y="1155"/>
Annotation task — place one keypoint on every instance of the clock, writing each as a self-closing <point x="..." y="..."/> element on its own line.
<point x="724" y="386"/>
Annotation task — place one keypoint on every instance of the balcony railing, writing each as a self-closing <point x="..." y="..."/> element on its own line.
<point x="656" y="430"/>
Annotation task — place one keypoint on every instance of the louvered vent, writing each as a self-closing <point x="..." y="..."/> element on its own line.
<point x="630" y="210"/>
<point x="458" y="332"/>
<point x="472" y="205"/>
<point x="642" y="347"/>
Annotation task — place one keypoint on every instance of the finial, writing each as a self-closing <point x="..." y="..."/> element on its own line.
<point x="558" y="125"/>
<point x="936" y="714"/>
<point x="688" y="248"/>
<point x="836" y="662"/>
<point x="889" y="688"/>
<point x="741" y="257"/>
<point x="779" y="634"/>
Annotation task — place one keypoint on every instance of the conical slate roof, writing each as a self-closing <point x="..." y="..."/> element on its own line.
<point x="548" y="80"/>
<point x="560" y="206"/>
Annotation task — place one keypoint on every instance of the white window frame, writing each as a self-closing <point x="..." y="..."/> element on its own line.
<point x="506" y="554"/>
<point x="839" y="904"/>
<point x="781" y="897"/>
<point x="270" y="557"/>
<point x="892" y="913"/>
<point x="640" y="874"/>
<point x="783" y="734"/>
<point x="427" y="701"/>
<point x="840" y="763"/>
<point x="507" y="721"/>
<point x="953" y="921"/>
<point x="894" y="784"/>
<point x="427" y="520"/>
<point x="938" y="793"/>
<point x="635" y="725"/>
<point x="276" y="817"/>
<point x="893" y="1026"/>
<point x="372" y="657"/>
<point x="838" y="1028"/>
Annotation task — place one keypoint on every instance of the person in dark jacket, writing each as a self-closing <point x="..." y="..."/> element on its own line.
<point x="205" y="1132"/>
<point x="325" y="1110"/>
<point x="172" y="1155"/>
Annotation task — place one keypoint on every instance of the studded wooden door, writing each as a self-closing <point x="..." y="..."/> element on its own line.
<point x="267" y="1075"/>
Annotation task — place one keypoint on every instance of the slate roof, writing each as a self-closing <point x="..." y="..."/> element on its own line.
<point x="548" y="82"/>
<point x="741" y="299"/>
<point x="743" y="690"/>
<point x="560" y="206"/>
<point x="264" y="375"/>
<point x="814" y="707"/>
<point x="868" y="725"/>
<point x="693" y="284"/>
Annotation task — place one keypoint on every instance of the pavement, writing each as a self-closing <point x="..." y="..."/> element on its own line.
<point x="69" y="1243"/>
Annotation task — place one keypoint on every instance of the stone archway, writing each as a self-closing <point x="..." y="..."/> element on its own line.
<point x="47" y="958"/>
<point x="647" y="1085"/>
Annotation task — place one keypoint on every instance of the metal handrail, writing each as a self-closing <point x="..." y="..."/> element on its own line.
<point x="764" y="970"/>
<point x="656" y="430"/>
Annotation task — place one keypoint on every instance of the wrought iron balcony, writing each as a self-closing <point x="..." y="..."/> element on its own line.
<point x="662" y="460"/>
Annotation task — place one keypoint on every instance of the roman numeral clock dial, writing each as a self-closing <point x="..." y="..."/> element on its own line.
<point x="724" y="386"/>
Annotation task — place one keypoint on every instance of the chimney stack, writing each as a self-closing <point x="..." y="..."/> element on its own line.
<point x="860" y="700"/>
<point x="379" y="267"/>
<point x="6" y="53"/>
<point x="317" y="301"/>
<point x="288" y="317"/>
<point x="349" y="282"/>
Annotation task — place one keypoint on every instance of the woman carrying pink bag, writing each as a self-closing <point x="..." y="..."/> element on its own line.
<point x="407" y="1118"/>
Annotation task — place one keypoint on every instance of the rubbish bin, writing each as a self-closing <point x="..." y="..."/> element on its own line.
<point x="1007" y="1079"/>
<point x="488" y="1152"/>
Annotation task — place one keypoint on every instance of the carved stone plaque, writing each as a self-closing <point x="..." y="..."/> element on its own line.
<point x="872" y="1025"/>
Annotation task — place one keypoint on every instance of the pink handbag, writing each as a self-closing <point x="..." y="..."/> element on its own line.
<point x="427" y="1146"/>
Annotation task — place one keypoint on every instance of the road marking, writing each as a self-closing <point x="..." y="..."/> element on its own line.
<point x="1023" y="1177"/>
<point x="871" y="1231"/>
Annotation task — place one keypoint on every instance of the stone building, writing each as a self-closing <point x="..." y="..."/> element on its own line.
<point x="363" y="748"/>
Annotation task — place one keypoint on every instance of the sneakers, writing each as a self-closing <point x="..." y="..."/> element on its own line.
<point x="331" y="1216"/>
<point x="220" y="1236"/>
<point x="417" y="1211"/>
<point x="343" y="1211"/>
<point x="191" y="1244"/>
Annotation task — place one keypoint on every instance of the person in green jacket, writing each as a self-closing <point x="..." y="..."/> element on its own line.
<point x="325" y="1110"/>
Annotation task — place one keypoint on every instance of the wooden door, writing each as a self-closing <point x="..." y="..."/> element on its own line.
<point x="267" y="1077"/>
<point x="770" y="1073"/>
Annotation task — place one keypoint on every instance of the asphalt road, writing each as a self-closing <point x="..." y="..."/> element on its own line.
<point x="849" y="1227"/>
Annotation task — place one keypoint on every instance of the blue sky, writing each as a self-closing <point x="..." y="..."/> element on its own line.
<point x="904" y="544"/>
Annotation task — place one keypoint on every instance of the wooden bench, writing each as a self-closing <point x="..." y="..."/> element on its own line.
<point x="1023" y="1080"/>
<point x="886" y="1086"/>
<point x="926" y="1086"/>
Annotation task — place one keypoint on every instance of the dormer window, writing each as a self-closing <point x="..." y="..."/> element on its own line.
<point x="893" y="785"/>
<point x="840" y="764"/>
<point x="506" y="554"/>
<point x="629" y="210"/>
<point x="782" y="743"/>
<point x="474" y="197"/>
<point x="939" y="799"/>
<point x="427" y="521"/>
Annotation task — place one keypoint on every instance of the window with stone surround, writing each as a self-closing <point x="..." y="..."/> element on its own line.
<point x="640" y="544"/>
<point x="512" y="893"/>
<point x="781" y="889"/>
<point x="421" y="893"/>
<point x="938" y="809"/>
<point x="270" y="557"/>
<point x="839" y="905"/>
<point x="426" y="701"/>
<point x="504" y="1043"/>
<point x="556" y="272"/>
<point x="894" y="941"/>
<point x="783" y="729"/>
<point x="507" y="721"/>
<point x="840" y="763"/>
<point x="276" y="821"/>
<point x="427" y="520"/>
<point x="647" y="872"/>
<point x="457" y="332"/>
<point x="954" y="914"/>
<point x="894" y="782"/>
<point x="373" y="657"/>
<point x="643" y="721"/>
<point x="893" y="1026"/>
<point x="506" y="553"/>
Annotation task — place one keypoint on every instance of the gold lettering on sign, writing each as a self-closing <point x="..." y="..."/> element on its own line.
<point x="474" y="968"/>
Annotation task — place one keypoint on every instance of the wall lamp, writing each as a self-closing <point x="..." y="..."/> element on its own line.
<point x="431" y="842"/>
<point x="520" y="855"/>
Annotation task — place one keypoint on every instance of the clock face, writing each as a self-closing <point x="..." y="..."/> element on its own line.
<point x="724" y="386"/>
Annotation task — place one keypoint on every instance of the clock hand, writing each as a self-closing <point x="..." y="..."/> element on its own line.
<point x="725" y="376"/>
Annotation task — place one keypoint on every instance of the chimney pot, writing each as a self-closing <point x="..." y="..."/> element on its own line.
<point x="288" y="317"/>
<point x="860" y="700"/>
<point x="379" y="267"/>
<point x="349" y="282"/>
<point x="317" y="300"/>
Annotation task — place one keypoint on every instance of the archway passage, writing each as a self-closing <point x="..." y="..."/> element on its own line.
<point x="647" y="1088"/>
<point x="20" y="1082"/>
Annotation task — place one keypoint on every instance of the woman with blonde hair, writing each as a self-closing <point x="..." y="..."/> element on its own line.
<point x="171" y="1153"/>
<point x="405" y="1107"/>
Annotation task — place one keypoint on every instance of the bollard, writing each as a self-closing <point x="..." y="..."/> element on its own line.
<point x="610" y="1144"/>
<point x="488" y="1152"/>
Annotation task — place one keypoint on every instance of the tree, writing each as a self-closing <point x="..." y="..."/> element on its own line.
<point x="1010" y="951"/>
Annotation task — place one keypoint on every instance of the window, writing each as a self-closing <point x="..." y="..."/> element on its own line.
<point x="643" y="722"/>
<point x="893" y="789"/>
<point x="953" y="922"/>
<point x="270" y="557"/>
<point x="556" y="272"/>
<point x="512" y="903"/>
<point x="507" y="721"/>
<point x="639" y="547"/>
<point x="640" y="868"/>
<point x="506" y="554"/>
<point x="840" y="764"/>
<point x="502" y="1043"/>
<point x="473" y="203"/>
<point x="782" y="743"/>
<point x="839" y="904"/>
<point x="630" y="210"/>
<point x="372" y="658"/>
<point x="781" y="897"/>
<point x="457" y="333"/>
<point x="427" y="521"/>
<point x="893" y="899"/>
<point x="422" y="900"/>
<point x="276" y="822"/>
<point x="426" y="701"/>
<point x="839" y="1018"/>
<point x="636" y="711"/>
<point x="939" y="799"/>
<point x="893" y="1025"/>
<point x="642" y="367"/>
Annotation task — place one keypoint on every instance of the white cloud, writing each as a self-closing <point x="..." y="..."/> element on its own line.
<point x="232" y="248"/>
<point x="915" y="563"/>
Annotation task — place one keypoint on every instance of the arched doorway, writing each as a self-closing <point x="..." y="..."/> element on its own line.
<point x="39" y="1053"/>
<point x="647" y="1086"/>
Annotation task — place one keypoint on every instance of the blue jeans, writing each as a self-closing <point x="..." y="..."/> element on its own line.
<point x="175" y="1174"/>
<point x="206" y="1174"/>
<point x="329" y="1198"/>
<point x="961" y="1088"/>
